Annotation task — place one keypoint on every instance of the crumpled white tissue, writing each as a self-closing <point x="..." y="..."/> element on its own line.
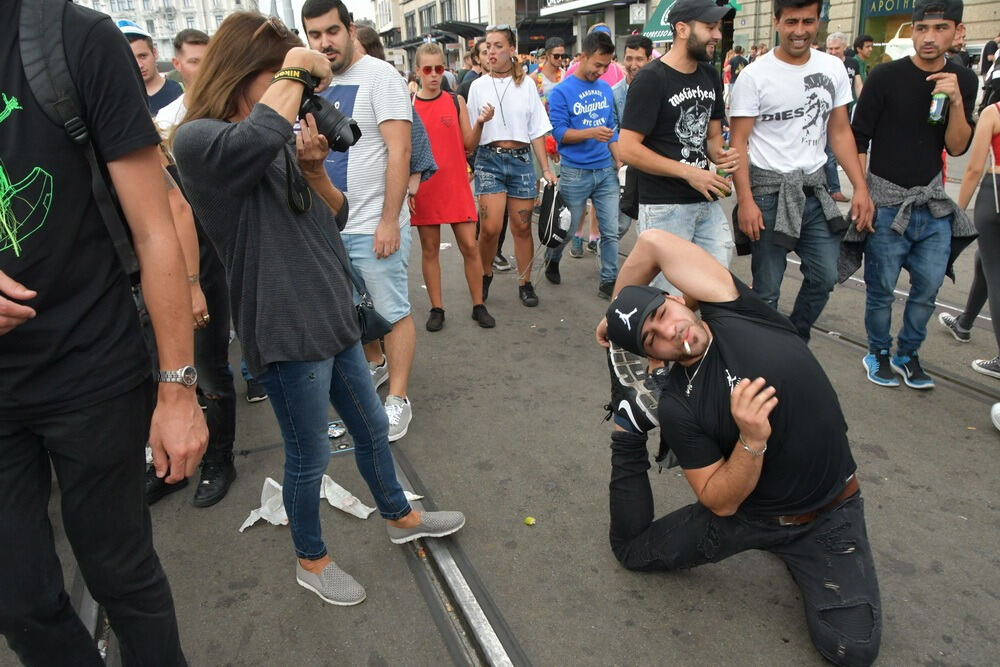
<point x="272" y="508"/>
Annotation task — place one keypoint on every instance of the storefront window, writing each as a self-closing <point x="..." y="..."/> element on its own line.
<point x="886" y="21"/>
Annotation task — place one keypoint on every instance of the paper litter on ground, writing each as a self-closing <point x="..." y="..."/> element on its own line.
<point x="272" y="507"/>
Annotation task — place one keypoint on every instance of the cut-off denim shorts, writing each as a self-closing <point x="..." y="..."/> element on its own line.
<point x="503" y="172"/>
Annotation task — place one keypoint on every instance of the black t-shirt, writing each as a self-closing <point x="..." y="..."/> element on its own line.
<point x="169" y="92"/>
<point x="85" y="344"/>
<point x="672" y="111"/>
<point x="736" y="65"/>
<point x="989" y="49"/>
<point x="808" y="459"/>
<point x="463" y="88"/>
<point x="891" y="114"/>
<point x="853" y="69"/>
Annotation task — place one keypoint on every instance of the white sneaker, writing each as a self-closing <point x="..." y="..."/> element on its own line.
<point x="995" y="415"/>
<point x="380" y="372"/>
<point x="400" y="412"/>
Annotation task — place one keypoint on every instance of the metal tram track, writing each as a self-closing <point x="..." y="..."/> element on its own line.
<point x="962" y="385"/>
<point x="470" y="623"/>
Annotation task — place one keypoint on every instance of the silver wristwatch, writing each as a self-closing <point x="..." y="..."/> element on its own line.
<point x="185" y="375"/>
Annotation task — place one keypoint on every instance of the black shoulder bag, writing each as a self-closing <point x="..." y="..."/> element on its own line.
<point x="44" y="60"/>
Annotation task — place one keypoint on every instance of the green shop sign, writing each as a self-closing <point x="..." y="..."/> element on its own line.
<point x="658" y="26"/>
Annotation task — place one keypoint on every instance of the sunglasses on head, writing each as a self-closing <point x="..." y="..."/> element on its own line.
<point x="437" y="69"/>
<point x="501" y="28"/>
<point x="279" y="28"/>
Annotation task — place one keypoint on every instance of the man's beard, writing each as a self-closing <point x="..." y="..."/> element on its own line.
<point x="346" y="57"/>
<point x="698" y="50"/>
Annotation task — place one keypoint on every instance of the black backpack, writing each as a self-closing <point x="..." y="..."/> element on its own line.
<point x="43" y="57"/>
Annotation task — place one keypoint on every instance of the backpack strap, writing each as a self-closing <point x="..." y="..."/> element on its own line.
<point x="43" y="57"/>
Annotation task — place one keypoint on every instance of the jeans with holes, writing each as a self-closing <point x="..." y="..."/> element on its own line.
<point x="600" y="186"/>
<point x="829" y="558"/>
<point x="817" y="247"/>
<point x="923" y="250"/>
<point x="301" y="393"/>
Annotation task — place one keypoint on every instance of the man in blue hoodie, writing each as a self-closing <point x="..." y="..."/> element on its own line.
<point x="581" y="110"/>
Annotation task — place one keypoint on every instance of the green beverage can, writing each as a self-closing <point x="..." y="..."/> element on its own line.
<point x="939" y="103"/>
<point x="722" y="172"/>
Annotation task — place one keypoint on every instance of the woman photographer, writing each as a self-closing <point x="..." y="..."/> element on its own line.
<point x="268" y="207"/>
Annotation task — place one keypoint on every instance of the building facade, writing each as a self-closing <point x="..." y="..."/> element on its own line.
<point x="165" y="18"/>
<point x="884" y="20"/>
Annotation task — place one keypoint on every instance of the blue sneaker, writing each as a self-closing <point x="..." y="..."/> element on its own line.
<point x="877" y="366"/>
<point x="913" y="374"/>
<point x="576" y="247"/>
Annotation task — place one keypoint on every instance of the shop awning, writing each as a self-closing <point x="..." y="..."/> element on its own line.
<point x="658" y="29"/>
<point x="461" y="28"/>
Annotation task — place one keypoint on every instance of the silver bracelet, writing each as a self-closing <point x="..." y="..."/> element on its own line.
<point x="752" y="451"/>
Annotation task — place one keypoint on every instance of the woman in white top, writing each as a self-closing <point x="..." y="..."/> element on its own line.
<point x="505" y="177"/>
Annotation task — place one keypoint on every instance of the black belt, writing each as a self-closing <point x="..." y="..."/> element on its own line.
<point x="506" y="151"/>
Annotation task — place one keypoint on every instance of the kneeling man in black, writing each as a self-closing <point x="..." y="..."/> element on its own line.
<point x="757" y="429"/>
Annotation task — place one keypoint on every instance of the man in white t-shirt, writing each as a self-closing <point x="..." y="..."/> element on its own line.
<point x="373" y="175"/>
<point x="189" y="50"/>
<point x="784" y="106"/>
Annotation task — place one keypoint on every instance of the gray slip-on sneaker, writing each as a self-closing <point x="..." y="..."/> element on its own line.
<point x="332" y="585"/>
<point x="432" y="524"/>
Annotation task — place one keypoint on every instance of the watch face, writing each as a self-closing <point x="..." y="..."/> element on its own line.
<point x="189" y="376"/>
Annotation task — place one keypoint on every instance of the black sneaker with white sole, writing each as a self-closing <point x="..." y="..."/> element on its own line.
<point x="950" y="322"/>
<point x="989" y="367"/>
<point x="633" y="403"/>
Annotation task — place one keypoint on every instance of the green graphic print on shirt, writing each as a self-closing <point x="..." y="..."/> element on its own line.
<point x="24" y="205"/>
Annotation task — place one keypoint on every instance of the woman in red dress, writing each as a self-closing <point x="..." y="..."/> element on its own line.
<point x="446" y="198"/>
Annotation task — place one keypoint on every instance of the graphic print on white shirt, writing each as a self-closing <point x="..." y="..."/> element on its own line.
<point x="820" y="94"/>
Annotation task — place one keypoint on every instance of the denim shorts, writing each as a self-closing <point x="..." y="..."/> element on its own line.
<point x="386" y="279"/>
<point x="503" y="172"/>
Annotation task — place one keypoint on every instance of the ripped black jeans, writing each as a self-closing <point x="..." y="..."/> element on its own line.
<point x="829" y="558"/>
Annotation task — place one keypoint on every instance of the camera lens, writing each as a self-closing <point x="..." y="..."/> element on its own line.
<point x="341" y="131"/>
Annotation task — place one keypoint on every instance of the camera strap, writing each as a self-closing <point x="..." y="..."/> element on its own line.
<point x="297" y="190"/>
<point x="298" y="74"/>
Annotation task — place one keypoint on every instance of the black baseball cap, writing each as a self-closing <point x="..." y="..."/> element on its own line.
<point x="706" y="11"/>
<point x="628" y="312"/>
<point x="950" y="10"/>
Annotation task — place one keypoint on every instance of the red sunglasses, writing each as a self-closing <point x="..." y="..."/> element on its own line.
<point x="437" y="69"/>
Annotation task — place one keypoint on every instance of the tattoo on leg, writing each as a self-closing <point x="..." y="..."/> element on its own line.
<point x="525" y="216"/>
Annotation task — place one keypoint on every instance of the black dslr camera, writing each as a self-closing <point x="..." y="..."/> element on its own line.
<point x="341" y="131"/>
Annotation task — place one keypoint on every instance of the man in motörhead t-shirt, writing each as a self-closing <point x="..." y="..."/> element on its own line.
<point x="672" y="127"/>
<point x="758" y="432"/>
<point x="786" y="103"/>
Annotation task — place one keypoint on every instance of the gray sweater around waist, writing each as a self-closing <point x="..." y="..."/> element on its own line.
<point x="291" y="298"/>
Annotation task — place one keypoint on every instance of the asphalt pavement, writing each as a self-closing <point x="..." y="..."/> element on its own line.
<point x="507" y="424"/>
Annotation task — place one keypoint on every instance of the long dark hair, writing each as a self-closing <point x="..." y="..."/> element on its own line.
<point x="246" y="44"/>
